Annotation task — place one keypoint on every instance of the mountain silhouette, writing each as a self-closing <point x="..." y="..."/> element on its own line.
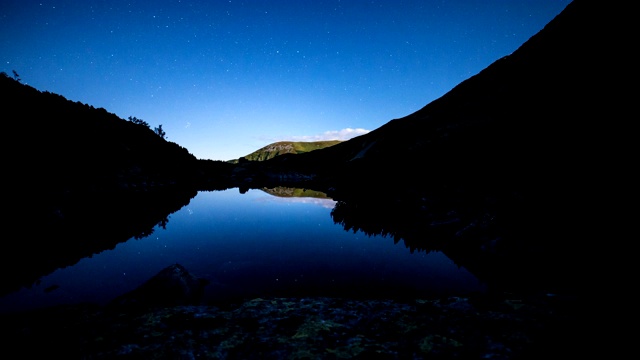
<point x="524" y="116"/>
<point x="76" y="173"/>
<point x="534" y="150"/>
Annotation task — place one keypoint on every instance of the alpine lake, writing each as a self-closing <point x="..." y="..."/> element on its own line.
<point x="251" y="244"/>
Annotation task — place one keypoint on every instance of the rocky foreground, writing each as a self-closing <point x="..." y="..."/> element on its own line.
<point x="306" y="328"/>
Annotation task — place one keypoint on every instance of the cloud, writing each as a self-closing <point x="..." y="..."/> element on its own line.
<point x="344" y="134"/>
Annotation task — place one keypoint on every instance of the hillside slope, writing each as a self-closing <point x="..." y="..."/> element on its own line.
<point x="63" y="146"/>
<point x="526" y="115"/>
<point x="286" y="147"/>
<point x="526" y="158"/>
<point x="80" y="180"/>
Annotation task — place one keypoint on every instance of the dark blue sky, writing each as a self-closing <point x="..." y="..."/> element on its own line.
<point x="225" y="78"/>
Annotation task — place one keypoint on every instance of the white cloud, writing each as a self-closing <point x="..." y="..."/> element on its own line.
<point x="344" y="134"/>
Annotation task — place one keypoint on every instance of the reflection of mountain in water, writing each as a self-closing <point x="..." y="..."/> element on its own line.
<point x="282" y="191"/>
<point x="479" y="237"/>
<point x="300" y="195"/>
<point x="49" y="239"/>
<point x="377" y="218"/>
<point x="472" y="238"/>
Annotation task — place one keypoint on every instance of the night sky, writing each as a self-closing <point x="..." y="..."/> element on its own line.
<point x="225" y="78"/>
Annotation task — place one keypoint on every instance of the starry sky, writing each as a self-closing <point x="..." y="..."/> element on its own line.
<point x="227" y="77"/>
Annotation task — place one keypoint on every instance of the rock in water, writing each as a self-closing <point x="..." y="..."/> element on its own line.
<point x="172" y="286"/>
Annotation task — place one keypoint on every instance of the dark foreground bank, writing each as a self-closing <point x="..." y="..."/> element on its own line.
<point x="307" y="328"/>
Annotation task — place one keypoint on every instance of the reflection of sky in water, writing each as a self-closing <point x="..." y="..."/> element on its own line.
<point x="254" y="244"/>
<point x="328" y="203"/>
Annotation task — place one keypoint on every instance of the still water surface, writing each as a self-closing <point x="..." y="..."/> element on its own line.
<point x="250" y="245"/>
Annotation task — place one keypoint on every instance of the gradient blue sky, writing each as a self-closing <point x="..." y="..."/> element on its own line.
<point x="225" y="78"/>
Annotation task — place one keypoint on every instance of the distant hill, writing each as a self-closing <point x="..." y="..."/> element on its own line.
<point x="286" y="147"/>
